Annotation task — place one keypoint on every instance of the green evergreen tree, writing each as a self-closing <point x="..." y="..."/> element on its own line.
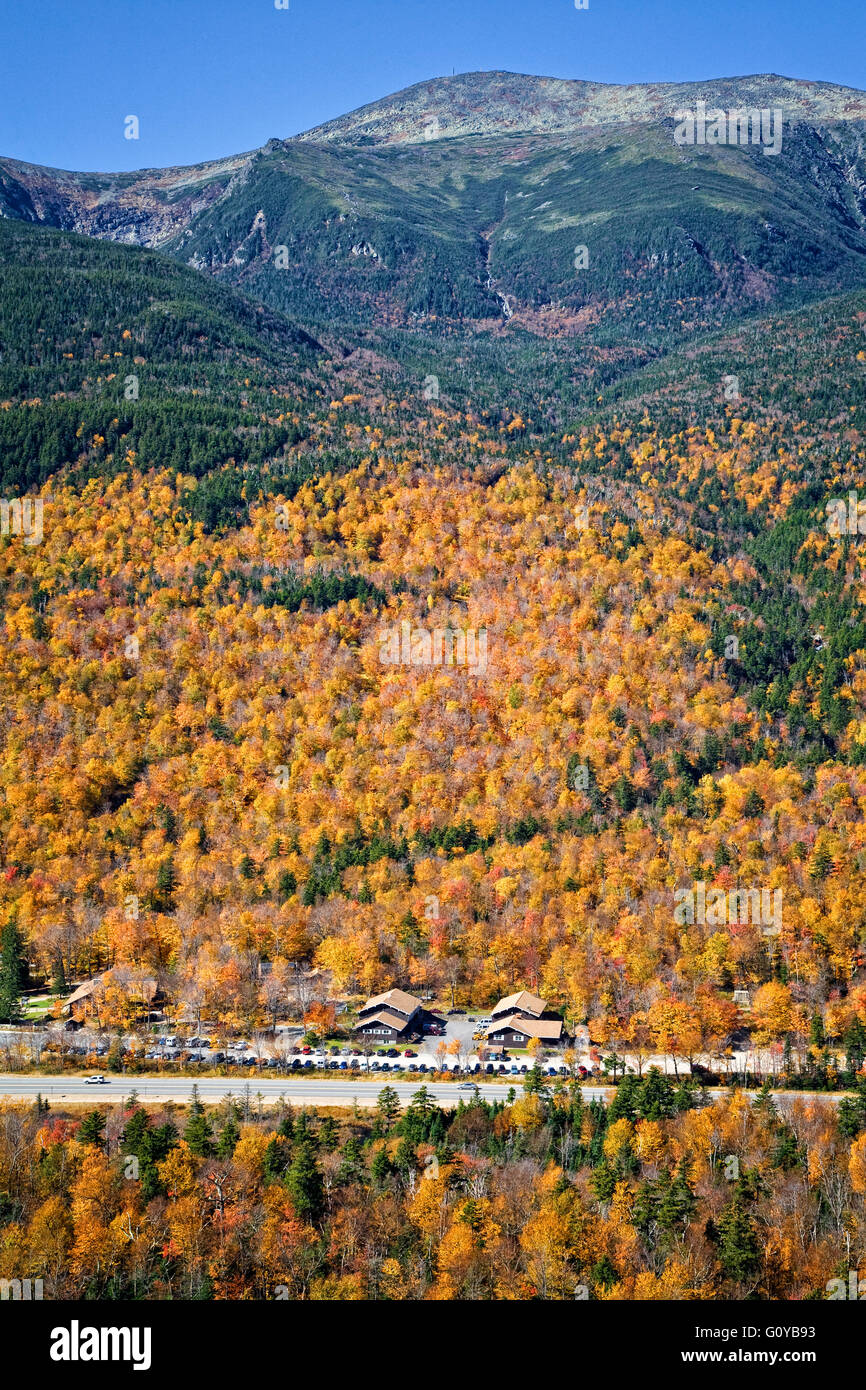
<point x="603" y="1182"/>
<point x="380" y="1168"/>
<point x="13" y="972"/>
<point x="92" y="1129"/>
<point x="387" y="1106"/>
<point x="58" y="977"/>
<point x="739" y="1246"/>
<point x="228" y="1138"/>
<point x="406" y="1157"/>
<point x="166" y="886"/>
<point x="656" y="1099"/>
<point x="275" y="1160"/>
<point x="855" y="1045"/>
<point x="199" y="1131"/>
<point x="305" y="1183"/>
<point x="329" y="1137"/>
<point x="678" y="1202"/>
<point x="286" y="884"/>
<point x="625" y="1100"/>
<point x="352" y="1164"/>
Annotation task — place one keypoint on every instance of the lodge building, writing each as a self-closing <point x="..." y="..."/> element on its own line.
<point x="391" y="1017"/>
<point x="519" y="1018"/>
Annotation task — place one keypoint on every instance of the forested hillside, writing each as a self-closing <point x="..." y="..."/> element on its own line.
<point x="539" y="1196"/>
<point x="430" y="560"/>
<point x="199" y="718"/>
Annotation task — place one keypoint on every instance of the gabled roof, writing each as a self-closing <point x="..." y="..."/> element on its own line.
<point x="384" y="1016"/>
<point x="83" y="992"/>
<point x="394" y="999"/>
<point x="524" y="1001"/>
<point x="542" y="1028"/>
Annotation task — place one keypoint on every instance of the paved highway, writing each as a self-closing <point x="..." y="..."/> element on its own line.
<point x="312" y="1091"/>
<point x="213" y="1089"/>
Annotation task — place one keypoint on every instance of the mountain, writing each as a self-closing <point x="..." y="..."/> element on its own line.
<point x="144" y="208"/>
<point x="459" y="256"/>
<point x="365" y="224"/>
<point x="510" y="103"/>
<point x="283" y="409"/>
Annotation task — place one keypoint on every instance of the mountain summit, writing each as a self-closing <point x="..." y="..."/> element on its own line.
<point x="509" y="103"/>
<point x="516" y="204"/>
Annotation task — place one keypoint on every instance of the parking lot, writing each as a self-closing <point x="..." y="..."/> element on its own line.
<point x="284" y="1053"/>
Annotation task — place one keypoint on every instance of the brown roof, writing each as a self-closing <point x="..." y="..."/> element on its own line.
<point x="394" y="999"/>
<point x="83" y="992"/>
<point x="524" y="1002"/>
<point x="383" y="1016"/>
<point x="532" y="1027"/>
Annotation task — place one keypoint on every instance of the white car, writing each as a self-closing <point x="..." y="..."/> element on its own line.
<point x="95" y="1081"/>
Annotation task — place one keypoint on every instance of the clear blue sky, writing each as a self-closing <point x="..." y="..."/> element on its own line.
<point x="214" y="77"/>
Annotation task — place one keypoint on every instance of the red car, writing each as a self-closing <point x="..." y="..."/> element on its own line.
<point x="306" y="1049"/>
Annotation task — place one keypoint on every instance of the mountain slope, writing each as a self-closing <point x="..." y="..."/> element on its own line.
<point x="198" y="715"/>
<point x="109" y="349"/>
<point x="497" y="103"/>
<point x="386" y="226"/>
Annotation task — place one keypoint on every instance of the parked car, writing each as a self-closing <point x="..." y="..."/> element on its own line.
<point x="410" y="1053"/>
